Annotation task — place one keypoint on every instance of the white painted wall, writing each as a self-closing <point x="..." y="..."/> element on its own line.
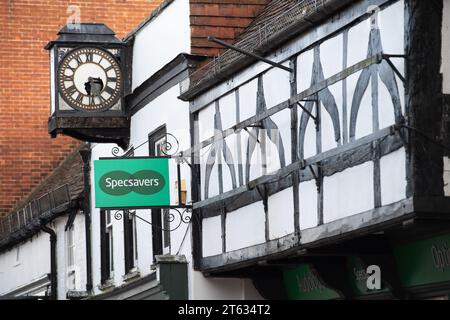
<point x="308" y="204"/>
<point x="348" y="192"/>
<point x="245" y="227"/>
<point x="393" y="177"/>
<point x="25" y="263"/>
<point x="281" y="214"/>
<point x="212" y="236"/>
<point x="33" y="260"/>
<point x="446" y="47"/>
<point x="161" y="40"/>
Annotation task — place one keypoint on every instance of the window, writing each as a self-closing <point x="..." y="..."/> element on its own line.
<point x="161" y="239"/>
<point x="106" y="246"/>
<point x="70" y="247"/>
<point x="130" y="240"/>
<point x="70" y="258"/>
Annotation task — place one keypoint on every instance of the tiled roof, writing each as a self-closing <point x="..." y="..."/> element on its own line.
<point x="280" y="21"/>
<point x="57" y="194"/>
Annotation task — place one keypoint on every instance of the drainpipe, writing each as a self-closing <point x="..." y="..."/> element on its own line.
<point x="85" y="153"/>
<point x="53" y="271"/>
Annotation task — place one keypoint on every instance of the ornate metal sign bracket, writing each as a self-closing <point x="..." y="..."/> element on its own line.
<point x="176" y="215"/>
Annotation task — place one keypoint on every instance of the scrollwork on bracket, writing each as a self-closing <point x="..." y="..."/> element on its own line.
<point x="178" y="215"/>
<point x="169" y="148"/>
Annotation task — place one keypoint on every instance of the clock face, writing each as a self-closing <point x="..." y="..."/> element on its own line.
<point x="90" y="79"/>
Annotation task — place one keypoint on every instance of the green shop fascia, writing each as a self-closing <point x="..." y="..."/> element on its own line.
<point x="423" y="267"/>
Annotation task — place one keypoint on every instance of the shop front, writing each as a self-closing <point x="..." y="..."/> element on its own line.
<point x="422" y="265"/>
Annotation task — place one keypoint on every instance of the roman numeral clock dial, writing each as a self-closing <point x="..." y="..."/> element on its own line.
<point x="90" y="79"/>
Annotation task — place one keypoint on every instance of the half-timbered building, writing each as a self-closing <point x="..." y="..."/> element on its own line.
<point x="329" y="159"/>
<point x="314" y="153"/>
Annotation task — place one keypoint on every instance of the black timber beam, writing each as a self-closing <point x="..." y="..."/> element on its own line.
<point x="423" y="43"/>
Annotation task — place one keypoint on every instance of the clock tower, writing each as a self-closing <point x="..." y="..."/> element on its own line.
<point x="89" y="80"/>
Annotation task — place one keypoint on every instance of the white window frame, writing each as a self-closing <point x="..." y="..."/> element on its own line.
<point x="109" y="230"/>
<point x="71" y="274"/>
<point x="135" y="239"/>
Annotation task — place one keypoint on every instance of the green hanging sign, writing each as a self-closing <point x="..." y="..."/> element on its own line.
<point x="424" y="261"/>
<point x="132" y="183"/>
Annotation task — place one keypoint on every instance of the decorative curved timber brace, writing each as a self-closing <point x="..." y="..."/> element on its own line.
<point x="386" y="70"/>
<point x="324" y="97"/>
<point x="217" y="148"/>
<point x="270" y="129"/>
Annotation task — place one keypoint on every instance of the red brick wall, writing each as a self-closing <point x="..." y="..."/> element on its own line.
<point x="27" y="153"/>
<point x="224" y="19"/>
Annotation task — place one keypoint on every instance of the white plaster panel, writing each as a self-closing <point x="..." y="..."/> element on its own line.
<point x="276" y="86"/>
<point x="392" y="27"/>
<point x="349" y="192"/>
<point x="358" y="42"/>
<point x="304" y="70"/>
<point x="446" y="47"/>
<point x="161" y="40"/>
<point x="227" y="107"/>
<point x="364" y="124"/>
<point x="212" y="236"/>
<point x="206" y="122"/>
<point x="308" y="204"/>
<point x="251" y="219"/>
<point x="247" y="99"/>
<point x="331" y="56"/>
<point x="281" y="214"/>
<point x="393" y="177"/>
<point x="447" y="176"/>
<point x="25" y="263"/>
